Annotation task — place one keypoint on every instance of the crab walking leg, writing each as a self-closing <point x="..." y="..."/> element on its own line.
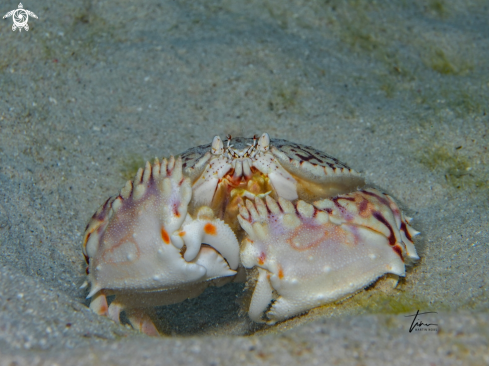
<point x="316" y="256"/>
<point x="115" y="309"/>
<point x="99" y="304"/>
<point x="140" y="320"/>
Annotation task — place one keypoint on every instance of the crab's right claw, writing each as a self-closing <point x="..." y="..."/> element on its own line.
<point x="127" y="242"/>
<point x="135" y="240"/>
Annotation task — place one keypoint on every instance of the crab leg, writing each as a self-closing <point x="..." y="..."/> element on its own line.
<point x="140" y="320"/>
<point x="99" y="304"/>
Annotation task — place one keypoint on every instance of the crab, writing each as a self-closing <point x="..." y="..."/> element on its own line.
<point x="311" y="232"/>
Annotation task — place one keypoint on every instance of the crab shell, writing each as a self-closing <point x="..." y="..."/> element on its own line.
<point x="249" y="167"/>
<point x="175" y="229"/>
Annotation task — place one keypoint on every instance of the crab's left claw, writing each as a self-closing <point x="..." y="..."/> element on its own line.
<point x="311" y="255"/>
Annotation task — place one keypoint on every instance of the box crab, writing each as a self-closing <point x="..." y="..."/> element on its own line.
<point x="310" y="231"/>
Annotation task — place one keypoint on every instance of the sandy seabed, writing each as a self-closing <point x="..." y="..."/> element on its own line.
<point x="398" y="90"/>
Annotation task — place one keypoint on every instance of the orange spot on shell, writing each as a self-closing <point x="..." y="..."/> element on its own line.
<point x="280" y="272"/>
<point x="181" y="233"/>
<point x="261" y="258"/>
<point x="165" y="236"/>
<point x="210" y="229"/>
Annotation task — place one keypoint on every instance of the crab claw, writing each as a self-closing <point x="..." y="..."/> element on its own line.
<point x="131" y="243"/>
<point x="212" y="231"/>
<point x="134" y="245"/>
<point x="311" y="255"/>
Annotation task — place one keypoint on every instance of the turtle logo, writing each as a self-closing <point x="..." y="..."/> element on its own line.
<point x="20" y="17"/>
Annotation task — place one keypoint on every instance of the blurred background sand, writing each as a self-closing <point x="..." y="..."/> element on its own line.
<point x="398" y="90"/>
